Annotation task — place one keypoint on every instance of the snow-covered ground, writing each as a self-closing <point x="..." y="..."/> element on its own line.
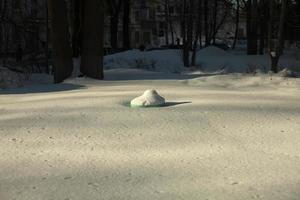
<point x="219" y="137"/>
<point x="209" y="59"/>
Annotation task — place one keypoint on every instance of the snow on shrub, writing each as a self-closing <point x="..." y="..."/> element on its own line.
<point x="10" y="79"/>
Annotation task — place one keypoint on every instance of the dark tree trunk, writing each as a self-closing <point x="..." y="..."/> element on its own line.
<point x="252" y="27"/>
<point x="126" y="24"/>
<point x="92" y="40"/>
<point x="215" y="20"/>
<point x="62" y="52"/>
<point x="184" y="30"/>
<point x="263" y="25"/>
<point x="167" y="21"/>
<point x="172" y="32"/>
<point x="278" y="50"/>
<point x="206" y="29"/>
<point x="270" y="24"/>
<point x="237" y="23"/>
<point x="249" y="22"/>
<point x="198" y="33"/>
<point x="76" y="35"/>
<point x="262" y="37"/>
<point x="190" y="28"/>
<point x="114" y="9"/>
<point x="114" y="24"/>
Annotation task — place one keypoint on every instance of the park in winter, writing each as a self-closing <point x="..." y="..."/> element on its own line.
<point x="149" y="99"/>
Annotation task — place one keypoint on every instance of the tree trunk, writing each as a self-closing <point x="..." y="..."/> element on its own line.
<point x="114" y="24"/>
<point x="251" y="27"/>
<point x="172" y="32"/>
<point x="262" y="37"/>
<point x="190" y="28"/>
<point x="270" y="24"/>
<point x="92" y="43"/>
<point x="254" y="27"/>
<point x="278" y="50"/>
<point x="62" y="52"/>
<point x="76" y="35"/>
<point x="185" y="42"/>
<point x="215" y="20"/>
<point x="198" y="32"/>
<point x="237" y="23"/>
<point x="206" y="31"/>
<point x="167" y="21"/>
<point x="126" y="24"/>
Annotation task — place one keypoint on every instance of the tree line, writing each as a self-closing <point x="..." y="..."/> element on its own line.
<point x="76" y="28"/>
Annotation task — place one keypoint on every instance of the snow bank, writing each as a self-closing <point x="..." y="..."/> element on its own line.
<point x="212" y="51"/>
<point x="148" y="99"/>
<point x="237" y="80"/>
<point x="210" y="59"/>
<point x="10" y="79"/>
<point x="158" y="60"/>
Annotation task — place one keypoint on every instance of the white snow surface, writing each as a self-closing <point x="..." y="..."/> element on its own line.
<point x="220" y="137"/>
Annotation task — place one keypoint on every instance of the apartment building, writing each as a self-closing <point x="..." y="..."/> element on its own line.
<point x="149" y="25"/>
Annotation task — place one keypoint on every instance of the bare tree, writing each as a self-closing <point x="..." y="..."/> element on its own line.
<point x="62" y="53"/>
<point x="114" y="7"/>
<point x="126" y="24"/>
<point x="206" y="28"/>
<point x="198" y="38"/>
<point x="252" y="27"/>
<point x="276" y="46"/>
<point x="237" y="23"/>
<point x="92" y="39"/>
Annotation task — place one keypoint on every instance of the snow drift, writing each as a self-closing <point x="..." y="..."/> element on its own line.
<point x="10" y="79"/>
<point x="210" y="59"/>
<point x="150" y="98"/>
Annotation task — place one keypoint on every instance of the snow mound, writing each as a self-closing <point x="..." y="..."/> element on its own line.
<point x="10" y="79"/>
<point x="158" y="60"/>
<point x="288" y="73"/>
<point x="240" y="81"/>
<point x="209" y="59"/>
<point x="212" y="51"/>
<point x="148" y="99"/>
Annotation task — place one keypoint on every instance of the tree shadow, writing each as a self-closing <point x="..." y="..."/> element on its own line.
<point x="42" y="88"/>
<point x="171" y="104"/>
<point x="167" y="104"/>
